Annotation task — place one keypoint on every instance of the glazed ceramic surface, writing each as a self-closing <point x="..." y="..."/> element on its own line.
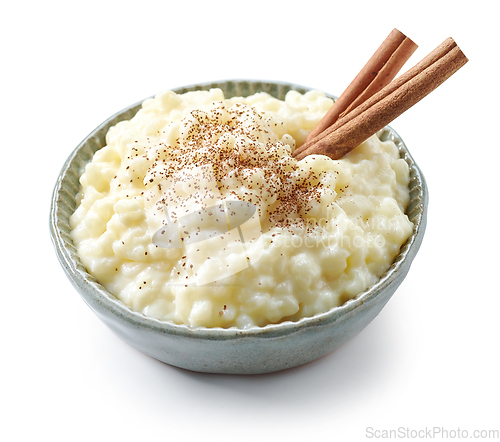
<point x="256" y="350"/>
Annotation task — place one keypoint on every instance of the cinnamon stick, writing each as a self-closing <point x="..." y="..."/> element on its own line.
<point x="386" y="105"/>
<point x="379" y="71"/>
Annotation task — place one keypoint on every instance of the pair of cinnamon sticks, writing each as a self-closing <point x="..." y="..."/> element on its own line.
<point x="373" y="99"/>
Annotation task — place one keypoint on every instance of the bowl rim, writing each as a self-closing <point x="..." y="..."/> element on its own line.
<point x="96" y="293"/>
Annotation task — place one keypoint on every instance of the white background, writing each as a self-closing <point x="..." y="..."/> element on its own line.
<point x="430" y="359"/>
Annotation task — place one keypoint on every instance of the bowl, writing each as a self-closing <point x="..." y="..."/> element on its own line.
<point x="216" y="350"/>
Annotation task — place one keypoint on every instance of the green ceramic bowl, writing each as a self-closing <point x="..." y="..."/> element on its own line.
<point x="216" y="350"/>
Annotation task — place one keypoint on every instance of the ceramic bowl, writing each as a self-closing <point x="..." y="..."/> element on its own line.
<point x="256" y="350"/>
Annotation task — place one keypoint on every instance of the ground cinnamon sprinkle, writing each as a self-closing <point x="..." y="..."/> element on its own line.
<point x="214" y="138"/>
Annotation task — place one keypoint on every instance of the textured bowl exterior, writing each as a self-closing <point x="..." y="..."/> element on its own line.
<point x="216" y="350"/>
